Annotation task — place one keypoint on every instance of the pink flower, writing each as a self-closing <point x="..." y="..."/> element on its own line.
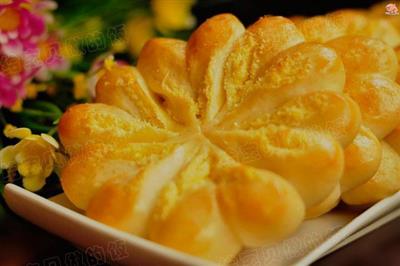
<point x="50" y="59"/>
<point x="24" y="39"/>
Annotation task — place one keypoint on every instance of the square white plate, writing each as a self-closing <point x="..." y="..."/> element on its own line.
<point x="312" y="241"/>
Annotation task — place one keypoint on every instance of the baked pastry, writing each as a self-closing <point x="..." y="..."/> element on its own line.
<point x="351" y="22"/>
<point x="232" y="138"/>
<point x="363" y="41"/>
<point x="379" y="11"/>
<point x="376" y="11"/>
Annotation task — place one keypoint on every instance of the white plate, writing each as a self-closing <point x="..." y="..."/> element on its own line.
<point x="313" y="240"/>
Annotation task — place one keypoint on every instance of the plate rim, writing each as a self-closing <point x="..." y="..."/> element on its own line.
<point x="13" y="192"/>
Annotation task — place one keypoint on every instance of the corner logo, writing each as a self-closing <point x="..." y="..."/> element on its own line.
<point x="391" y="9"/>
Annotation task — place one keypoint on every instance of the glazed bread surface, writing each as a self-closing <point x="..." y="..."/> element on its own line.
<point x="233" y="138"/>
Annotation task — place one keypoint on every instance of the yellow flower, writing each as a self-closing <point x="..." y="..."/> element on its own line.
<point x="35" y="156"/>
<point x="80" y="86"/>
<point x="138" y="31"/>
<point x="13" y="132"/>
<point x="119" y="46"/>
<point x="9" y="19"/>
<point x="109" y="62"/>
<point x="173" y="15"/>
<point x="32" y="90"/>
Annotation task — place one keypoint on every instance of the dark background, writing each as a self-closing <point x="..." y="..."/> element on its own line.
<point x="250" y="10"/>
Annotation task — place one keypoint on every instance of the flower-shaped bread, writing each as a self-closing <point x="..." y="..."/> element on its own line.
<point x="229" y="139"/>
<point x="363" y="42"/>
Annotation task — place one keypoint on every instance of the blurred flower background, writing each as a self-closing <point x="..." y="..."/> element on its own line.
<point x="51" y="55"/>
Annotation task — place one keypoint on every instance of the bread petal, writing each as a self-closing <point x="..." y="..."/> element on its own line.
<point x="124" y="87"/>
<point x="379" y="100"/>
<point x="312" y="162"/>
<point x="320" y="29"/>
<point x="260" y="206"/>
<point x="362" y="160"/>
<point x="194" y="225"/>
<point x="253" y="51"/>
<point x="162" y="63"/>
<point x="326" y="205"/>
<point x="99" y="123"/>
<point x="207" y="50"/>
<point x="126" y="203"/>
<point x="394" y="139"/>
<point x="364" y="55"/>
<point x="385" y="182"/>
<point x="302" y="69"/>
<point x="324" y="111"/>
<point x="95" y="164"/>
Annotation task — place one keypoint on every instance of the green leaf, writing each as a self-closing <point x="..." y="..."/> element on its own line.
<point x="52" y="131"/>
<point x="35" y="126"/>
<point x="46" y="106"/>
<point x="39" y="114"/>
<point x="56" y="122"/>
<point x="2" y="118"/>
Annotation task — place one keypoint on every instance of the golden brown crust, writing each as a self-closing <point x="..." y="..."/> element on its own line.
<point x="383" y="29"/>
<point x="253" y="51"/>
<point x="350" y="22"/>
<point x="95" y="164"/>
<point x="138" y="192"/>
<point x="388" y="32"/>
<point x="113" y="204"/>
<point x="206" y="53"/>
<point x="362" y="160"/>
<point x="124" y="87"/>
<point x="394" y="139"/>
<point x="268" y="98"/>
<point x="99" y="123"/>
<point x="299" y="70"/>
<point x="315" y="159"/>
<point x="320" y="29"/>
<point x="379" y="100"/>
<point x="363" y="55"/>
<point x="248" y="202"/>
<point x="162" y="64"/>
<point x="297" y="19"/>
<point x="196" y="213"/>
<point x="397" y="51"/>
<point x="323" y="111"/>
<point x="326" y="205"/>
<point x="383" y="184"/>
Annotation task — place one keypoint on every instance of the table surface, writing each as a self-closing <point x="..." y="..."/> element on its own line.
<point x="22" y="243"/>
